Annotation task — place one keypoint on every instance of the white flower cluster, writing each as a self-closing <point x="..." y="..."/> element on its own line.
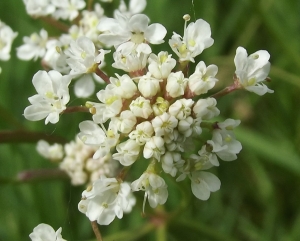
<point x="76" y="160"/>
<point x="7" y="36"/>
<point x="44" y="232"/>
<point x="147" y="114"/>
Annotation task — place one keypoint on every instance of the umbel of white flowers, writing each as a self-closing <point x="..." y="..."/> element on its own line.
<point x="149" y="112"/>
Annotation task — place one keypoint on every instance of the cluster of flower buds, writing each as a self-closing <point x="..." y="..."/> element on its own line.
<point x="152" y="111"/>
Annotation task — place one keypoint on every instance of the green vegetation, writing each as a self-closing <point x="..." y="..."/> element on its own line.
<point x="259" y="196"/>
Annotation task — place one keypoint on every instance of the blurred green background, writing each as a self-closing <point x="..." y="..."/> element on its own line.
<point x="260" y="196"/>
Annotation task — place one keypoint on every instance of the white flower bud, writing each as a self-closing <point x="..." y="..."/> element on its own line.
<point x="206" y="108"/>
<point x="176" y="84"/>
<point x="148" y="86"/>
<point x="141" y="107"/>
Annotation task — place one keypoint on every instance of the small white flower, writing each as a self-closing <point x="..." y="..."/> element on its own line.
<point x="224" y="142"/>
<point x="176" y="84"/>
<point x="142" y="133"/>
<point x="164" y="124"/>
<point x="51" y="98"/>
<point x="128" y="152"/>
<point x="203" y="183"/>
<point x="92" y="134"/>
<point x="155" y="147"/>
<point x="171" y="161"/>
<point x="107" y="199"/>
<point x="135" y="6"/>
<point x="67" y="9"/>
<point x="141" y="107"/>
<point x="125" y="122"/>
<point x="82" y="57"/>
<point x="196" y="38"/>
<point x="160" y="106"/>
<point x="7" y="36"/>
<point x="181" y="109"/>
<point x="129" y="62"/>
<point x="148" y="86"/>
<point x="203" y="79"/>
<point x="53" y="152"/>
<point x="131" y="33"/>
<point x="154" y="186"/>
<point x="161" y="65"/>
<point x="38" y="8"/>
<point x="89" y="22"/>
<point x="34" y="47"/>
<point x="44" y="232"/>
<point x="185" y="126"/>
<point x="123" y="86"/>
<point x="206" y="108"/>
<point x="252" y="70"/>
<point x="110" y="107"/>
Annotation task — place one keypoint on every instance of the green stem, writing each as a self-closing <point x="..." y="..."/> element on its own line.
<point x="20" y="136"/>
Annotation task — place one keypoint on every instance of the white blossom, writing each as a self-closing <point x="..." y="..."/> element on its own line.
<point x="122" y="86"/>
<point x="203" y="79"/>
<point x="51" y="98"/>
<point x="171" y="161"/>
<point x="181" y="109"/>
<point x="52" y="152"/>
<point x="154" y="148"/>
<point x="185" y="126"/>
<point x="224" y="142"/>
<point x="110" y="107"/>
<point x="82" y="57"/>
<point x="206" y="108"/>
<point x="203" y="183"/>
<point x="142" y="133"/>
<point x="164" y="124"/>
<point x="127" y="152"/>
<point x="154" y="186"/>
<point x="252" y="70"/>
<point x="39" y="8"/>
<point x="107" y="199"/>
<point x="81" y="167"/>
<point x="161" y="65"/>
<point x="131" y="33"/>
<point x="125" y="122"/>
<point x="34" y="47"/>
<point x="129" y="62"/>
<point x="176" y="84"/>
<point x="135" y="6"/>
<point x="7" y="36"/>
<point x="141" y="107"/>
<point x="196" y="38"/>
<point x="148" y="86"/>
<point x="67" y="9"/>
<point x="44" y="232"/>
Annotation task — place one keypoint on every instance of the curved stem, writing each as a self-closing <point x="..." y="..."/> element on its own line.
<point x="96" y="231"/>
<point x="103" y="76"/>
<point x="235" y="86"/>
